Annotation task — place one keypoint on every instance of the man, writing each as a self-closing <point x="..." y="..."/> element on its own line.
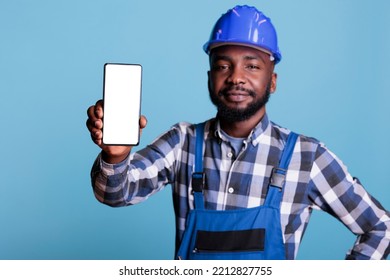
<point x="241" y="150"/>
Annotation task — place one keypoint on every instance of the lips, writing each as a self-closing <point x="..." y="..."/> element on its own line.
<point x="236" y="96"/>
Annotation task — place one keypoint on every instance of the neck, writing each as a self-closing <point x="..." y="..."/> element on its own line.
<point x="242" y="129"/>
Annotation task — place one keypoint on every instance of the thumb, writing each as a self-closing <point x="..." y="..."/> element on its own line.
<point x="142" y="122"/>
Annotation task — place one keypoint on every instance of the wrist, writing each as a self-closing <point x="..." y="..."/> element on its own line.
<point x="114" y="158"/>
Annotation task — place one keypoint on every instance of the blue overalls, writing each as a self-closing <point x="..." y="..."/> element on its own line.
<point x="250" y="233"/>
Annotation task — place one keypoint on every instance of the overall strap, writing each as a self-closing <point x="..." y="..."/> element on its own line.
<point x="278" y="176"/>
<point x="198" y="178"/>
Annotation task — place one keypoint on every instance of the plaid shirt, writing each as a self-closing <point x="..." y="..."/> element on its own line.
<point x="316" y="179"/>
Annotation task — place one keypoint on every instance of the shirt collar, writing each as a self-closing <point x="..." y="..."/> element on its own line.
<point x="254" y="137"/>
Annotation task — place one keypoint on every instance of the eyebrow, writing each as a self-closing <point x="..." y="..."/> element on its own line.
<point x="220" y="57"/>
<point x="246" y="57"/>
<point x="254" y="57"/>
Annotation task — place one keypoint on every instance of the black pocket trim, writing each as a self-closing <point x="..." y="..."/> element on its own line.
<point x="230" y="241"/>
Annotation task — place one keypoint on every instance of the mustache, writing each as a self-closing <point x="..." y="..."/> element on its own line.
<point x="225" y="91"/>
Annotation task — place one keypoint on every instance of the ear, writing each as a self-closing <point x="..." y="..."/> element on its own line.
<point x="274" y="78"/>
<point x="208" y="80"/>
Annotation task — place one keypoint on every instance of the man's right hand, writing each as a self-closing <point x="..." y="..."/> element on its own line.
<point x="110" y="154"/>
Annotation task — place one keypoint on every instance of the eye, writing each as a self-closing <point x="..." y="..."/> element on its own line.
<point x="253" y="67"/>
<point x="221" y="67"/>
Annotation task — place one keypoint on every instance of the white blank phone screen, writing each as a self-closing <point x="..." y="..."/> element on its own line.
<point x="122" y="103"/>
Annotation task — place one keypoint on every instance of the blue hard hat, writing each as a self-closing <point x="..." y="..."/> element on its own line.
<point x="247" y="26"/>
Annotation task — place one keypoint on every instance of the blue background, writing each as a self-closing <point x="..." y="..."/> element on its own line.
<point x="333" y="84"/>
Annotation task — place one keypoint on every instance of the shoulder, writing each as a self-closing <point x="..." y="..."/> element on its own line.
<point x="309" y="152"/>
<point x="309" y="148"/>
<point x="281" y="133"/>
<point x="187" y="128"/>
<point x="183" y="131"/>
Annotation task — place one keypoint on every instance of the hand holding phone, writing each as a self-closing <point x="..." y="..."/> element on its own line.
<point x="122" y="104"/>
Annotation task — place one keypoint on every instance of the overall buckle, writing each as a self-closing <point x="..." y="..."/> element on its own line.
<point x="278" y="177"/>
<point x="198" y="181"/>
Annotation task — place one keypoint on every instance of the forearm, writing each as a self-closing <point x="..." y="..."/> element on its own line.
<point x="109" y="182"/>
<point x="139" y="175"/>
<point x="344" y="197"/>
<point x="115" y="159"/>
<point x="370" y="247"/>
<point x="374" y="242"/>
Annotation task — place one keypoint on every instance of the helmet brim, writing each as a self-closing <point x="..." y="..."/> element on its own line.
<point x="209" y="46"/>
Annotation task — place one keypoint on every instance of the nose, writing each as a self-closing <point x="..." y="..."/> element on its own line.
<point x="236" y="76"/>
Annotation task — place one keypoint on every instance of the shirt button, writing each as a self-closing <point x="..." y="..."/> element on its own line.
<point x="230" y="154"/>
<point x="231" y="190"/>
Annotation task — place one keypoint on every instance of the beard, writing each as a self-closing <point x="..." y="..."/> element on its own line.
<point x="229" y="114"/>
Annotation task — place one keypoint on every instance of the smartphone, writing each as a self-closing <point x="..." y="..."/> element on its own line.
<point x="121" y="103"/>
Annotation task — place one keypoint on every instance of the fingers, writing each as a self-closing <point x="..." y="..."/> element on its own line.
<point x="99" y="109"/>
<point x="143" y="122"/>
<point x="95" y="123"/>
<point x="96" y="111"/>
<point x="96" y="134"/>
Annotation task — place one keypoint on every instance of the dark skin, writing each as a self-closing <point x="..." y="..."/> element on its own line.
<point x="247" y="67"/>
<point x="110" y="154"/>
<point x="229" y="66"/>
